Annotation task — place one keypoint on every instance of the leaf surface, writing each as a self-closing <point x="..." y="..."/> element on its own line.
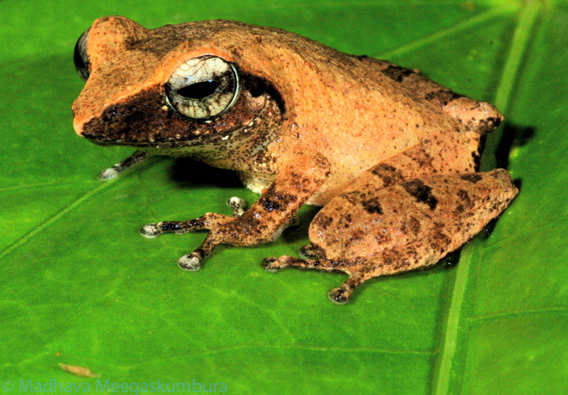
<point x="82" y="288"/>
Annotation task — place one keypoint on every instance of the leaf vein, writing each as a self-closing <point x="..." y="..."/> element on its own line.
<point x="56" y="217"/>
<point x="448" y="31"/>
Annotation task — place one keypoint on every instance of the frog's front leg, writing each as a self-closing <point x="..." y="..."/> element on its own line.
<point x="374" y="231"/>
<point x="136" y="158"/>
<point x="297" y="179"/>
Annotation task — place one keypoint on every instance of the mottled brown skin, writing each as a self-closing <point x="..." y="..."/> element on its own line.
<point x="390" y="154"/>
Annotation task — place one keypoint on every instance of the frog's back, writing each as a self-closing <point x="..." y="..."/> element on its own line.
<point x="354" y="110"/>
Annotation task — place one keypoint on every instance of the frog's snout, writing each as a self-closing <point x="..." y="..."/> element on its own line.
<point x="80" y="117"/>
<point x="78" y="124"/>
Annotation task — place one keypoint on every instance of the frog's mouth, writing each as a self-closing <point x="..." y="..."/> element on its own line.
<point x="147" y="121"/>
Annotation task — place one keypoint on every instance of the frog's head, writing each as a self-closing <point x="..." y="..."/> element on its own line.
<point x="163" y="88"/>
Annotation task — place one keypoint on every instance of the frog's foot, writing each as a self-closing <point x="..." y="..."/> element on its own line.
<point x="136" y="158"/>
<point x="192" y="262"/>
<point x="339" y="295"/>
<point x="206" y="222"/>
<point x="209" y="221"/>
<point x="222" y="230"/>
<point x="342" y="294"/>
<point x="273" y="264"/>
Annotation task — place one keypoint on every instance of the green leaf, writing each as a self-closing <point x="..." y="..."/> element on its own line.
<point x="81" y="287"/>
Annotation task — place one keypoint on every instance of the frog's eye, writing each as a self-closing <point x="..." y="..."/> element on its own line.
<point x="203" y="87"/>
<point x="80" y="56"/>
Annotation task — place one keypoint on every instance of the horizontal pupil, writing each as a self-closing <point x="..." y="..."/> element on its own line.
<point x="199" y="90"/>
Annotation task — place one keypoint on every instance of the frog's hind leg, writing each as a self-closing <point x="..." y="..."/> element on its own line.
<point x="359" y="269"/>
<point x="368" y="232"/>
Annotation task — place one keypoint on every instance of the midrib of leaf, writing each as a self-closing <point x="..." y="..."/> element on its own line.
<point x="520" y="41"/>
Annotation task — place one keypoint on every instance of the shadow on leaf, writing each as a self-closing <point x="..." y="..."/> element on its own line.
<point x="187" y="172"/>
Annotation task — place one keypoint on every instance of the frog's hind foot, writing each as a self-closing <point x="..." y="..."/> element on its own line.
<point x="192" y="262"/>
<point x="339" y="295"/>
<point x="274" y="264"/>
<point x="342" y="294"/>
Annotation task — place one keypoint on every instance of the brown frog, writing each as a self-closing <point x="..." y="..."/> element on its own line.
<point x="390" y="154"/>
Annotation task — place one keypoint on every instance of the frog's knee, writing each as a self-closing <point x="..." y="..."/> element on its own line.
<point x="475" y="116"/>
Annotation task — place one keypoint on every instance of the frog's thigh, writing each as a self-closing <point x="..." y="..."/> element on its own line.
<point x="374" y="232"/>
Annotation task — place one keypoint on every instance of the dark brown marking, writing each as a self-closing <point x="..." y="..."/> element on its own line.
<point x="473" y="177"/>
<point x="352" y="197"/>
<point x="372" y="206"/>
<point x="488" y="124"/>
<point x="465" y="199"/>
<point x="443" y="96"/>
<point x="440" y="241"/>
<point x="258" y="86"/>
<point x="378" y="170"/>
<point x="397" y="73"/>
<point x="323" y="221"/>
<point x="143" y="113"/>
<point x="413" y="225"/>
<point x="387" y="173"/>
<point x="271" y="205"/>
<point x="422" y="193"/>
<point x="476" y="158"/>
<point x="277" y="202"/>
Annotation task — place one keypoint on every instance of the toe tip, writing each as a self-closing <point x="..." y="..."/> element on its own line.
<point x="190" y="263"/>
<point x="150" y="231"/>
<point x="339" y="296"/>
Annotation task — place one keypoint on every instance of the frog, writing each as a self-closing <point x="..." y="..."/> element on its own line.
<point x="389" y="155"/>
